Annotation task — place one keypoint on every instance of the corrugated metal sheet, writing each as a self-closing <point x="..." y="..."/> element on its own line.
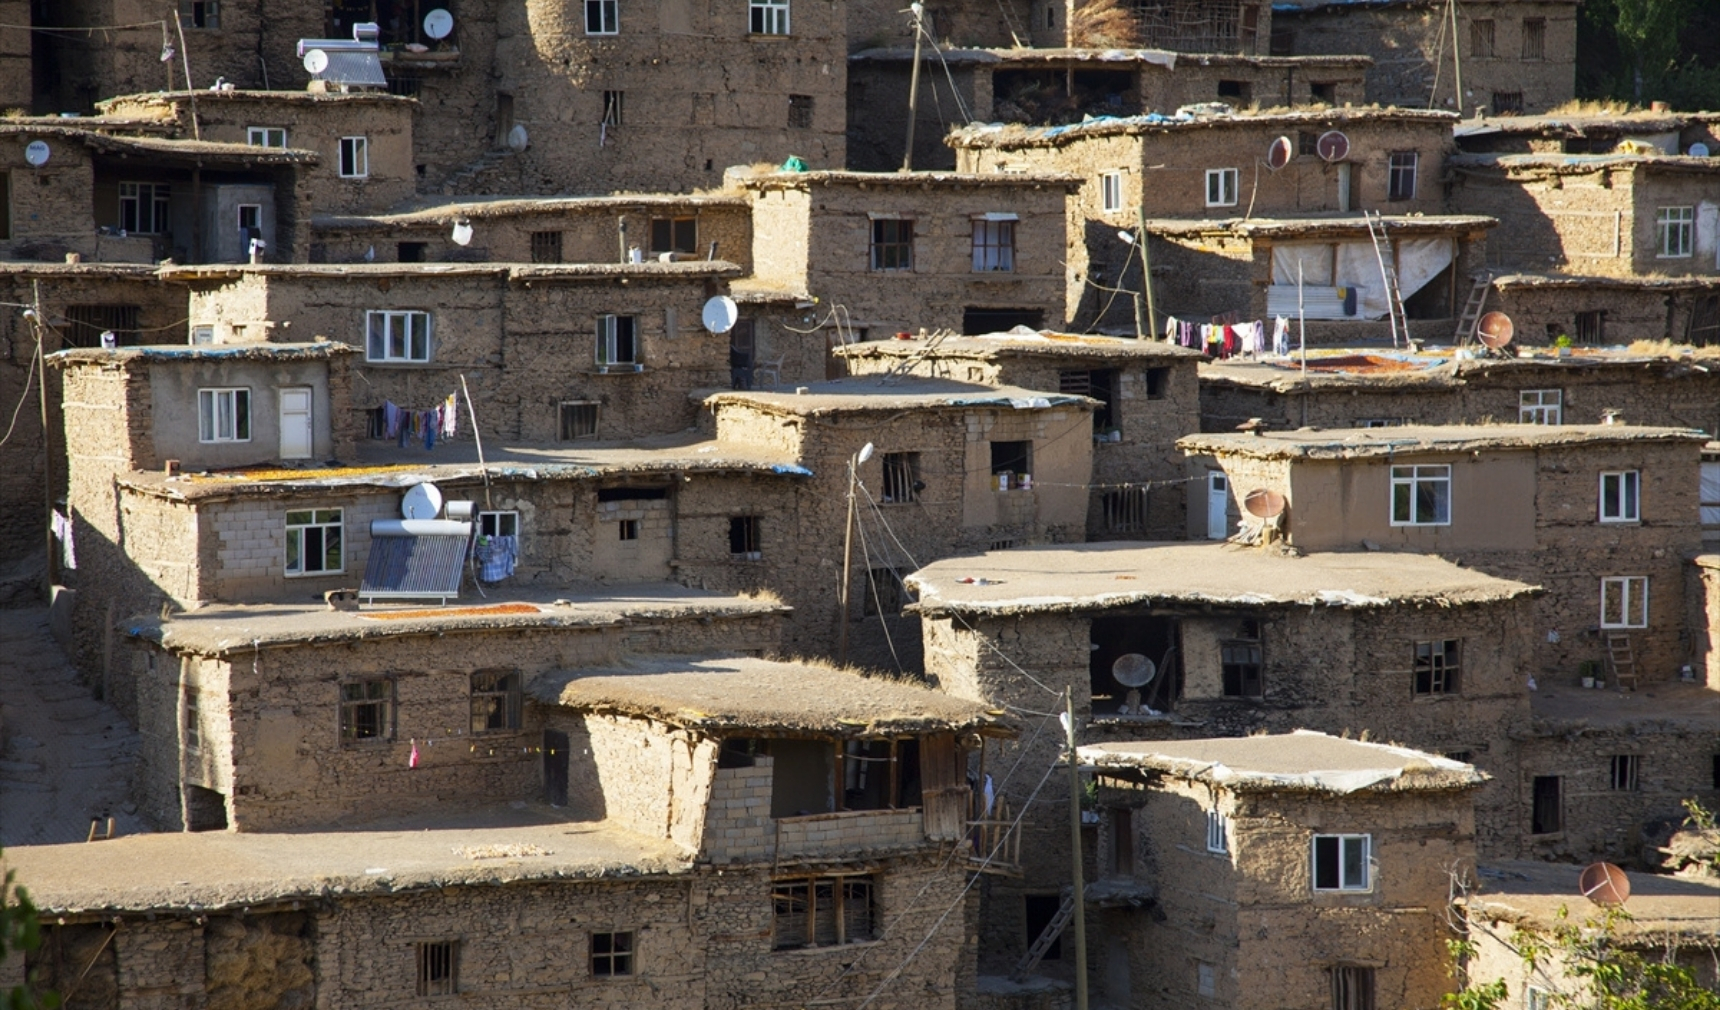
<point x="414" y="567"/>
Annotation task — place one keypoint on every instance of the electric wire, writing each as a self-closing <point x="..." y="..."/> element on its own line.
<point x="29" y="379"/>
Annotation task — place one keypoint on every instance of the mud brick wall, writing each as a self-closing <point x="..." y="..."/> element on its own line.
<point x="1541" y="313"/>
<point x="160" y="964"/>
<point x="643" y="775"/>
<point x="1581" y="222"/>
<point x="1703" y="588"/>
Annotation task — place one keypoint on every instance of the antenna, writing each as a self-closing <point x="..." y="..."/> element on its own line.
<point x="422" y="502"/>
<point x="720" y="314"/>
<point x="438" y="23"/>
<point x="1333" y="146"/>
<point x="36" y="152"/>
<point x="1279" y="154"/>
<point x="1699" y="150"/>
<point x="316" y="61"/>
<point x="1262" y="503"/>
<point x="1495" y="330"/>
<point x="1134" y="671"/>
<point x="1604" y="884"/>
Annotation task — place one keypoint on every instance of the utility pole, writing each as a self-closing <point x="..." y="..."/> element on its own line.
<point x="1146" y="263"/>
<point x="919" y="12"/>
<point x="1079" y="920"/>
<point x="1457" y="61"/>
<point x="854" y="462"/>
<point x="41" y="367"/>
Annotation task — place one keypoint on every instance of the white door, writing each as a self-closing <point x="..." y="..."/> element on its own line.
<point x="296" y="423"/>
<point x="1344" y="187"/>
<point x="1217" y="505"/>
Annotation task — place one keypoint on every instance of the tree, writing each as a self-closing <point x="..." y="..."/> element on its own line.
<point x="20" y="930"/>
<point x="1641" y="50"/>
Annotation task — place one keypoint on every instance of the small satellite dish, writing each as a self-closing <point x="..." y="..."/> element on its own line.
<point x="462" y="234"/>
<point x="422" y="502"/>
<point x="1262" y="503"/>
<point x="518" y="140"/>
<point x="1279" y="154"/>
<point x="1699" y="150"/>
<point x="316" y="61"/>
<point x="1134" y="670"/>
<point x="438" y="23"/>
<point x="720" y="314"/>
<point x="36" y="152"/>
<point x="1333" y="146"/>
<point x="1604" y="884"/>
<point x="1495" y="330"/>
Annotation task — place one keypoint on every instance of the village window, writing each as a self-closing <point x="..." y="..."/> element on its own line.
<point x="546" y="246"/>
<point x="1125" y="509"/>
<point x="1541" y="406"/>
<point x="354" y="157"/>
<point x="438" y="968"/>
<point x="1122" y="841"/>
<point x="1101" y="385"/>
<point x="1322" y="93"/>
<point x="885" y="593"/>
<point x="799" y="112"/>
<point x="1467" y="757"/>
<point x="1206" y="979"/>
<point x="223" y="415"/>
<point x="1421" y="495"/>
<point x="1534" y="38"/>
<point x="617" y="343"/>
<point x="675" y="234"/>
<point x="1240" y="663"/>
<point x="205" y="14"/>
<point x="1537" y="999"/>
<point x="612" y="954"/>
<point x="498" y="524"/>
<point x="411" y="252"/>
<point x="367" y="710"/>
<point x="1341" y="862"/>
<point x="1013" y="458"/>
<point x="822" y="912"/>
<point x="1481" y="37"/>
<point x="614" y="107"/>
<point x="1673" y="226"/>
<point x="1591" y="327"/>
<point x="892" y="243"/>
<point x="314" y="542"/>
<point x="1626" y="772"/>
<point x="495" y="701"/>
<point x="266" y="136"/>
<point x="1381" y="422"/>
<point x="744" y="538"/>
<point x="578" y="420"/>
<point x="1157" y="381"/>
<point x="1111" y="192"/>
<point x="1217" y="833"/>
<point x="994" y="243"/>
<point x="602" y="17"/>
<point x="1221" y="187"/>
<point x="143" y="207"/>
<point x="1352" y="987"/>
<point x="1624" y="601"/>
<point x="1620" y="496"/>
<point x="901" y="478"/>
<point x="193" y="721"/>
<point x="1438" y="666"/>
<point x="1703" y="329"/>
<point x="397" y="335"/>
<point x="1708" y="495"/>
<point x="1400" y="183"/>
<point x="1547" y="807"/>
<point x="1237" y="91"/>
<point x="769" y="17"/>
<point x="627" y="529"/>
<point x="880" y="774"/>
<point x="1308" y="143"/>
<point x="1507" y="103"/>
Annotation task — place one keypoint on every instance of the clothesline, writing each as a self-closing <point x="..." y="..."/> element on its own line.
<point x="404" y="424"/>
<point x="1229" y="339"/>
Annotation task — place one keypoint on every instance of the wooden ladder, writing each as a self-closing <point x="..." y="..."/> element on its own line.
<point x="1472" y="309"/>
<point x="1388" y="273"/>
<point x="1047" y="937"/>
<point x="1620" y="660"/>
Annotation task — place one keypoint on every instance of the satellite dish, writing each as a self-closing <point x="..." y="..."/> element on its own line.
<point x="1699" y="150"/>
<point x="1604" y="884"/>
<point x="1495" y="330"/>
<point x="517" y="139"/>
<point x="1279" y="154"/>
<point x="1333" y="146"/>
<point x="316" y="61"/>
<point x="422" y="502"/>
<point x="462" y="233"/>
<point x="36" y="152"/>
<point x="1263" y="504"/>
<point x="438" y="23"/>
<point x="1134" y="670"/>
<point x="720" y="314"/>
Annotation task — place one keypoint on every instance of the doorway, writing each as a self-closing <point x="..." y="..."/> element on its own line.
<point x="296" y="428"/>
<point x="1217" y="505"/>
<point x="555" y="759"/>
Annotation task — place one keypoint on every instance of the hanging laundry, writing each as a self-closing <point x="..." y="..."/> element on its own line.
<point x="1171" y="326"/>
<point x="496" y="557"/>
<point x="1281" y="337"/>
<point x="412" y="759"/>
<point x="62" y="526"/>
<point x="449" y="406"/>
<point x="431" y="425"/>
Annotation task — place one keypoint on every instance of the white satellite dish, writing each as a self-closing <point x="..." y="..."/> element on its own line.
<point x="36" y="152"/>
<point x="1699" y="150"/>
<point x="462" y="233"/>
<point x="424" y="501"/>
<point x="316" y="61"/>
<point x="1134" y="671"/>
<point x="438" y="23"/>
<point x="720" y="314"/>
<point x="518" y="140"/>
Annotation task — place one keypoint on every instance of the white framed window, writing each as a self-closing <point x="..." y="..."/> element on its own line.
<point x="1400" y="175"/>
<point x="1621" y="498"/>
<point x="1111" y="191"/>
<point x="204" y="14"/>
<point x="1421" y="495"/>
<point x="1541" y="406"/>
<point x="1624" y="601"/>
<point x="1221" y="187"/>
<point x="994" y="244"/>
<point x="602" y="17"/>
<point x="314" y="542"/>
<point x="1343" y="862"/>
<point x="1217" y="833"/>
<point x="266" y="136"/>
<point x="397" y="335"/>
<point x="499" y="524"/>
<point x="1708" y="498"/>
<point x="223" y="415"/>
<point x="1537" y="999"/>
<point x="143" y="207"/>
<point x="354" y="157"/>
<point x="769" y="17"/>
<point x="617" y="341"/>
<point x="1206" y="979"/>
<point x="1673" y="227"/>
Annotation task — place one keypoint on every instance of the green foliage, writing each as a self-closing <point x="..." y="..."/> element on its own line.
<point x="1488" y="996"/>
<point x="1649" y="50"/>
<point x="1699" y="816"/>
<point x="20" y="930"/>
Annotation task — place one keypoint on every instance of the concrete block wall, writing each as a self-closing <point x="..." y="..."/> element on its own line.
<point x="848" y="831"/>
<point x="738" y="826"/>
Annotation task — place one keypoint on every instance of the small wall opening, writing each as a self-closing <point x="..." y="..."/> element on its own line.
<point x="803" y="779"/>
<point x="205" y="809"/>
<point x="1038" y="911"/>
<point x="1157" y="638"/>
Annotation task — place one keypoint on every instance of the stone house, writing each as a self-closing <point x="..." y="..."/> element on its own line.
<point x="1238" y="641"/>
<point x="1513" y="56"/>
<point x="1601" y="516"/>
<point x="1587" y="132"/>
<point x="1288" y="870"/>
<point x="1594" y="309"/>
<point x="1147" y="391"/>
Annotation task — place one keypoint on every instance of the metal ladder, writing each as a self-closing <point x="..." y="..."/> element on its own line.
<point x="1620" y="660"/>
<point x="1388" y="273"/>
<point x="1472" y="309"/>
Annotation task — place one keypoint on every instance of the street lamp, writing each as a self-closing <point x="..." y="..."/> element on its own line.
<point x="854" y="462"/>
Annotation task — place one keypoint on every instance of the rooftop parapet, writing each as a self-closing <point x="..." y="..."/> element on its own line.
<point x="1302" y="761"/>
<point x="1360" y="443"/>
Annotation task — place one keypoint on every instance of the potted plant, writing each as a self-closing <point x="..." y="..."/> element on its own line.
<point x="1563" y="344"/>
<point x="1588" y="670"/>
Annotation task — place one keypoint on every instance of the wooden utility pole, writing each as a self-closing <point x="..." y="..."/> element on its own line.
<point x="914" y="85"/>
<point x="1079" y="919"/>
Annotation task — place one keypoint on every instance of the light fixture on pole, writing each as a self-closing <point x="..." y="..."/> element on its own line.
<point x="854" y="462"/>
<point x="1128" y="238"/>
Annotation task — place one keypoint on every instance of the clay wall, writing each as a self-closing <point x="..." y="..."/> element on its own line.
<point x="177" y="413"/>
<point x="1580" y="223"/>
<point x="641" y="774"/>
<point x="51" y="208"/>
<point x="1627" y="314"/>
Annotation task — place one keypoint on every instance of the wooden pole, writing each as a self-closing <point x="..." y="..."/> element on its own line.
<point x="847" y="563"/>
<point x="478" y="438"/>
<point x="41" y="366"/>
<point x="1146" y="262"/>
<point x="914" y="87"/>
<point x="1079" y="920"/>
